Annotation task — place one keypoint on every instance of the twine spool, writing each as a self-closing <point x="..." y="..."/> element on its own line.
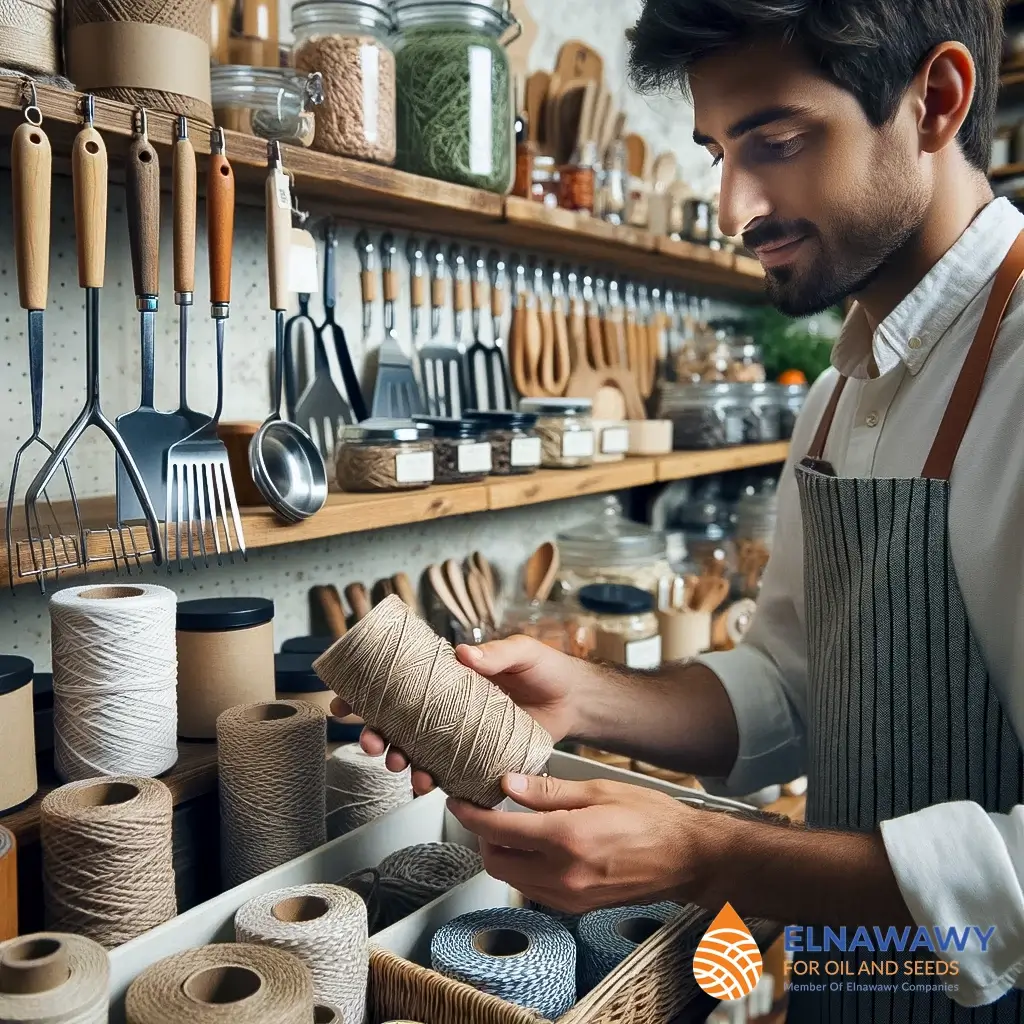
<point x="407" y="684"/>
<point x="271" y="761"/>
<point x="115" y="709"/>
<point x="360" y="789"/>
<point x="606" y="937"/>
<point x="226" y="983"/>
<point x="324" y="1013"/>
<point x="415" y="876"/>
<point x="107" y="858"/>
<point x="325" y="927"/>
<point x="30" y="36"/>
<point x="518" y="955"/>
<point x="570" y="921"/>
<point x="52" y="978"/>
<point x="8" y="884"/>
<point x="149" y="53"/>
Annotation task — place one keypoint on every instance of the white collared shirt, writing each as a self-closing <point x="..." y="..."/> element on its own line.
<point x="955" y="864"/>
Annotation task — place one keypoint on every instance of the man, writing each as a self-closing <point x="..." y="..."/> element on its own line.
<point x="886" y="659"/>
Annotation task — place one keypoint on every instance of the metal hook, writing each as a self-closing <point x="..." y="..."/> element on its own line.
<point x="217" y="142"/>
<point x="181" y="128"/>
<point x="33" y="114"/>
<point x="88" y="109"/>
<point x="143" y="117"/>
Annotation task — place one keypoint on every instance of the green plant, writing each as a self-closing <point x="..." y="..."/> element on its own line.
<point x="789" y="344"/>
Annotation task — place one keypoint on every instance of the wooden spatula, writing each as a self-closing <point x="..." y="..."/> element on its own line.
<point x="636" y="155"/>
<point x="536" y="95"/>
<point x="577" y="60"/>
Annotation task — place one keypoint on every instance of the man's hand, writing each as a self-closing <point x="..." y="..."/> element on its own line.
<point x="593" y="844"/>
<point x="542" y="681"/>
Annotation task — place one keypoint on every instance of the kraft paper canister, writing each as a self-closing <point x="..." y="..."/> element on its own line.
<point x="225" y="658"/>
<point x="295" y="679"/>
<point x="17" y="732"/>
<point x="684" y="634"/>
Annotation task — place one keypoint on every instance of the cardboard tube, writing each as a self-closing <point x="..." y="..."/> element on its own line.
<point x="684" y="634"/>
<point x="17" y="733"/>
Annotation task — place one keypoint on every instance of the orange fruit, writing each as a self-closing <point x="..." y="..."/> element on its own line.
<point x="792" y="377"/>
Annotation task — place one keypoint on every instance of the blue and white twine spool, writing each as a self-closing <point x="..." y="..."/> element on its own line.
<point x="516" y="954"/>
<point x="606" y="937"/>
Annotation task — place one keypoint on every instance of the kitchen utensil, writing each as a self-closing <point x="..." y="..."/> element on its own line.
<point x="629" y="324"/>
<point x="332" y="610"/>
<point x="475" y="588"/>
<point x="358" y="599"/>
<point x="570" y="111"/>
<point x="440" y="361"/>
<point x="550" y="115"/>
<point x="294" y="333"/>
<point x="525" y="345"/>
<point x="606" y="126"/>
<point x="545" y="362"/>
<point x="708" y="593"/>
<point x="595" y="339"/>
<point x="636" y="155"/>
<point x="482" y="566"/>
<point x="614" y="329"/>
<point x="577" y="60"/>
<point x="477" y="366"/>
<point x="438" y="583"/>
<point x="609" y="405"/>
<point x="486" y="596"/>
<point x="199" y="477"/>
<point x="460" y="303"/>
<point x="286" y="466"/>
<point x="457" y="585"/>
<point x="396" y="394"/>
<point x="536" y="94"/>
<point x="576" y="320"/>
<point x="147" y="434"/>
<point x="381" y="591"/>
<point x="498" y="375"/>
<point x="541" y="569"/>
<point x="417" y="260"/>
<point x="403" y="587"/>
<point x="561" y="358"/>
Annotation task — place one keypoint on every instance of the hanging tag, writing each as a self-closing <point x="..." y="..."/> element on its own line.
<point x="303" y="275"/>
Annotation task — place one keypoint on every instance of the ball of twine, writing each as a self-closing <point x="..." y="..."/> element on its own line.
<point x="406" y="683"/>
<point x="415" y="876"/>
<point x="325" y="927"/>
<point x="360" y="788"/>
<point x="107" y="858"/>
<point x="604" y="938"/>
<point x="226" y="983"/>
<point x="30" y="36"/>
<point x="271" y="761"/>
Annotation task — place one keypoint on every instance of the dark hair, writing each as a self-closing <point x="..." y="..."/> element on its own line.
<point x="871" y="48"/>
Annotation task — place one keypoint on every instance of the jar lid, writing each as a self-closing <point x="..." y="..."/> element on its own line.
<point x="556" y="406"/>
<point x="452" y="428"/>
<point x="306" y="14"/>
<point x="293" y="673"/>
<point x="15" y="672"/>
<point x="387" y="430"/>
<point x="504" y="420"/>
<point x="307" y="645"/>
<point x="793" y="390"/>
<point x="496" y="14"/>
<point x="611" y="539"/>
<point x="615" y="599"/>
<point x="220" y="614"/>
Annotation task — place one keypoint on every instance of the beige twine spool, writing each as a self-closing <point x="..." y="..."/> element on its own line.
<point x="107" y="858"/>
<point x="271" y="761"/>
<point x="30" y="36"/>
<point x="407" y="684"/>
<point x="227" y="983"/>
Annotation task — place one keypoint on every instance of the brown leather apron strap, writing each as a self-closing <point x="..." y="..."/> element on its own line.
<point x="964" y="398"/>
<point x="817" y="449"/>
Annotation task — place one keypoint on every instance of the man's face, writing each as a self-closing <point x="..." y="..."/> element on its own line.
<point x="820" y="195"/>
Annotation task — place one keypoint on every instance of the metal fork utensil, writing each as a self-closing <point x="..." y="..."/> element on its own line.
<point x="440" y="362"/>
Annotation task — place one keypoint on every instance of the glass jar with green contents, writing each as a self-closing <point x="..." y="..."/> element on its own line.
<point x="454" y="99"/>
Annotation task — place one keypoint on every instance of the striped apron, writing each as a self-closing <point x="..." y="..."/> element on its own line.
<point x="901" y="713"/>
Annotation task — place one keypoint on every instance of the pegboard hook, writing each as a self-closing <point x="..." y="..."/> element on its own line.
<point x="31" y="100"/>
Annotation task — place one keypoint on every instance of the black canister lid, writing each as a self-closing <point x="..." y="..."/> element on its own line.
<point x="219" y="614"/>
<point x="503" y="420"/>
<point x="293" y="673"/>
<point x="454" y="429"/>
<point x="307" y="645"/>
<point x="615" y="599"/>
<point x="15" y="672"/>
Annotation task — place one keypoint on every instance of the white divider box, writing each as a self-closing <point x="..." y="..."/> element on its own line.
<point x="425" y="820"/>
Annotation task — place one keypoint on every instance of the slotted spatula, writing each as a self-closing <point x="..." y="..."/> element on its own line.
<point x="441" y="362"/>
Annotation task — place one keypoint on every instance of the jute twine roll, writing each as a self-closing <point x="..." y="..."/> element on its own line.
<point x="271" y="761"/>
<point x="53" y="978"/>
<point x="413" y="877"/>
<point x="30" y="36"/>
<point x="324" y="926"/>
<point x="604" y="938"/>
<point x="360" y="788"/>
<point x="324" y="1013"/>
<point x="227" y="983"/>
<point x="107" y="858"/>
<point x="407" y="684"/>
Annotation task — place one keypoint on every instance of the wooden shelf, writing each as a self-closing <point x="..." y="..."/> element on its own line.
<point x="354" y="513"/>
<point x="357" y="191"/>
<point x="1006" y="171"/>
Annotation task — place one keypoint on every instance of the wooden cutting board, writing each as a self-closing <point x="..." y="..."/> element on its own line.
<point x="577" y="60"/>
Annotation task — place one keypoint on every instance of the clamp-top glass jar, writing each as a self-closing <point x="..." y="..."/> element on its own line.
<point x="347" y="42"/>
<point x="455" y="117"/>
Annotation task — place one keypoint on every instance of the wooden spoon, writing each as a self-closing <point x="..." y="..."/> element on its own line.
<point x="404" y="589"/>
<point x="636" y="155"/>
<point x="381" y="589"/>
<point x="435" y="575"/>
<point x="358" y="600"/>
<point x="486" y="570"/>
<point x="477" y="589"/>
<point x="331" y="608"/>
<point x="457" y="584"/>
<point x="536" y="93"/>
<point x="541" y="569"/>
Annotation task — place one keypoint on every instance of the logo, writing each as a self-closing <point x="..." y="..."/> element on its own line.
<point x="727" y="963"/>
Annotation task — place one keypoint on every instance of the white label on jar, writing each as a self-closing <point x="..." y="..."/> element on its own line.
<point x="614" y="440"/>
<point x="525" y="451"/>
<point x="414" y="467"/>
<point x="370" y="60"/>
<point x="481" y="112"/>
<point x="644" y="653"/>
<point x="578" y="444"/>
<point x="475" y="458"/>
<point x="734" y="429"/>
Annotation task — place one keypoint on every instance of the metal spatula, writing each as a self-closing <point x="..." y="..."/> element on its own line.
<point x="396" y="394"/>
<point x="441" y="362"/>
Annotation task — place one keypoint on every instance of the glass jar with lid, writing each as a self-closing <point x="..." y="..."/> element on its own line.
<point x="705" y="529"/>
<point x="611" y="549"/>
<point x="273" y="103"/>
<point x="515" y="443"/>
<point x="462" y="453"/>
<point x="566" y="430"/>
<point x="756" y="515"/>
<point x="762" y="418"/>
<point x="704" y="416"/>
<point x="347" y="41"/>
<point x="455" y="117"/>
<point x="625" y="627"/>
<point x="791" y="401"/>
<point x="746" y="364"/>
<point x="385" y="455"/>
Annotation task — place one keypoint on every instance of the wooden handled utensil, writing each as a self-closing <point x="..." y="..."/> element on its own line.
<point x="536" y="93"/>
<point x="329" y="601"/>
<point x="545" y="350"/>
<point x="358" y="599"/>
<point x="614" y="330"/>
<point x="577" y="321"/>
<point x="403" y="587"/>
<point x="561" y="360"/>
<point x="595" y="337"/>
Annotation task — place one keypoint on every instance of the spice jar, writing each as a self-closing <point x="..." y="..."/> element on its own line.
<point x="18" y="781"/>
<point x="454" y="100"/>
<point x="756" y="516"/>
<point x="515" y="444"/>
<point x="546" y="182"/>
<point x="761" y="422"/>
<point x="347" y="42"/>
<point x="704" y="416"/>
<point x="386" y="455"/>
<point x="225" y="658"/>
<point x="791" y="401"/>
<point x="462" y="453"/>
<point x="746" y="365"/>
<point x="554" y="624"/>
<point x="566" y="431"/>
<point x="625" y="626"/>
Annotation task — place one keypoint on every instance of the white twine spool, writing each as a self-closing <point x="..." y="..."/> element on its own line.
<point x="324" y="926"/>
<point x="606" y="937"/>
<point x="360" y="788"/>
<point x="516" y="954"/>
<point x="115" y="676"/>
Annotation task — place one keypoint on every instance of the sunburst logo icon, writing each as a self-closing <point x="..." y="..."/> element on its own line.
<point x="727" y="964"/>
